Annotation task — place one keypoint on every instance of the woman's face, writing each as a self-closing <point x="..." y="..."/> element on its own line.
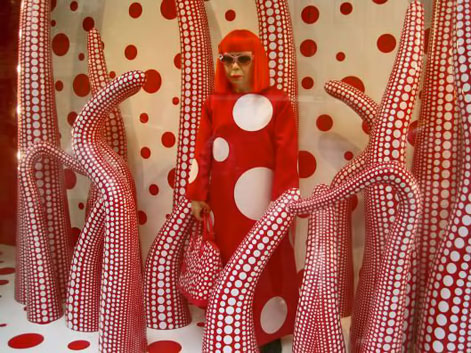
<point x="238" y="67"/>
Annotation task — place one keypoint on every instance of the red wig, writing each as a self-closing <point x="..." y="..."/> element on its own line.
<point x="237" y="41"/>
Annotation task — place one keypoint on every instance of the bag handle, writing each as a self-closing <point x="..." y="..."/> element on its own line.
<point x="208" y="227"/>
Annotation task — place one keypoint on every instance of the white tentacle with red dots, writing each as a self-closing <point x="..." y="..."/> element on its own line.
<point x="384" y="330"/>
<point x="229" y="316"/>
<point x="445" y="322"/>
<point x="38" y="122"/>
<point x="166" y="308"/>
<point x="196" y="84"/>
<point x="121" y="322"/>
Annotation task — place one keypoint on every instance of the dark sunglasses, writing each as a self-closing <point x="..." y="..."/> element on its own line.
<point x="243" y="59"/>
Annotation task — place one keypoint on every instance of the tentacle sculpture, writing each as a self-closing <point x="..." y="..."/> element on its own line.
<point x="43" y="288"/>
<point x="197" y="80"/>
<point x="317" y="327"/>
<point x="445" y="323"/>
<point x="387" y="143"/>
<point x="437" y="169"/>
<point x="276" y="32"/>
<point x="229" y="316"/>
<point x="121" y="322"/>
<point x="38" y="122"/>
<point x="166" y="308"/>
<point x="384" y="330"/>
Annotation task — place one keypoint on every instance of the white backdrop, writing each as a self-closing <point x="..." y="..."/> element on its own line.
<point x="356" y="38"/>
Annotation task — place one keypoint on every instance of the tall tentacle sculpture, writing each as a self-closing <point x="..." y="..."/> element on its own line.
<point x="317" y="327"/>
<point x="38" y="122"/>
<point x="166" y="308"/>
<point x="43" y="287"/>
<point x="229" y="317"/>
<point x="197" y="78"/>
<point x="276" y="32"/>
<point x="384" y="330"/>
<point x="387" y="143"/>
<point x="445" y="322"/>
<point x="436" y="161"/>
<point x="122" y="322"/>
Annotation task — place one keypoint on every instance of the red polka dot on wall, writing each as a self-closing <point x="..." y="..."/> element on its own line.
<point x="168" y="9"/>
<point x="324" y="122"/>
<point x="386" y="43"/>
<point x="340" y="56"/>
<point x="135" y="10"/>
<point x="71" y="118"/>
<point x="130" y="52"/>
<point x="112" y="74"/>
<point x="307" y="82"/>
<point x="346" y="8"/>
<point x="168" y="139"/>
<point x="73" y="5"/>
<point x="81" y="85"/>
<point x="59" y="85"/>
<point x="153" y="81"/>
<point x="81" y="206"/>
<point x="70" y="178"/>
<point x="75" y="233"/>
<point x="365" y="127"/>
<point x="412" y="133"/>
<point x="7" y="270"/>
<point x="230" y="15"/>
<point x="177" y="61"/>
<point x="60" y="44"/>
<point x="426" y="39"/>
<point x="145" y="152"/>
<point x="175" y="100"/>
<point x="310" y="14"/>
<point x="171" y="178"/>
<point x="379" y="2"/>
<point x="53" y="4"/>
<point x="81" y="56"/>
<point x="53" y="23"/>
<point x="153" y="189"/>
<point x="142" y="217"/>
<point x="144" y="118"/>
<point x="307" y="164"/>
<point x="348" y="156"/>
<point x="88" y="23"/>
<point x="355" y="82"/>
<point x="78" y="345"/>
<point x="308" y="47"/>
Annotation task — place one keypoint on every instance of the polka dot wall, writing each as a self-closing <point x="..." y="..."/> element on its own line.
<point x="349" y="40"/>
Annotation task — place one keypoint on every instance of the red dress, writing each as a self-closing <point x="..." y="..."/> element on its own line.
<point x="245" y="157"/>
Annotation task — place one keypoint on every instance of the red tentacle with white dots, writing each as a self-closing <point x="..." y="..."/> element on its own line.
<point x="384" y="330"/>
<point x="363" y="105"/>
<point x="445" y="323"/>
<point x="43" y="291"/>
<point x="166" y="308"/>
<point x="229" y="316"/>
<point x="196" y="84"/>
<point x="121" y="322"/>
<point x="436" y="161"/>
<point x="317" y="327"/>
<point x="37" y="119"/>
<point x="276" y="34"/>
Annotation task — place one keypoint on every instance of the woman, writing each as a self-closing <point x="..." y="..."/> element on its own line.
<point x="245" y="157"/>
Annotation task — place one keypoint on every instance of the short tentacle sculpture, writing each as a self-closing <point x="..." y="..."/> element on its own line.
<point x="229" y="316"/>
<point x="41" y="278"/>
<point x="166" y="307"/>
<point x="384" y="330"/>
<point x="121" y="320"/>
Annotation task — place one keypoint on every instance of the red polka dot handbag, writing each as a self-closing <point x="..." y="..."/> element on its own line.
<point x="201" y="263"/>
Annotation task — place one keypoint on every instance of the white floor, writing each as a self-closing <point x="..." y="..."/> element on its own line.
<point x="57" y="336"/>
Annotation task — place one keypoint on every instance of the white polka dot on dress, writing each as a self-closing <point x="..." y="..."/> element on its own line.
<point x="273" y="314"/>
<point x="220" y="149"/>
<point x="252" y="112"/>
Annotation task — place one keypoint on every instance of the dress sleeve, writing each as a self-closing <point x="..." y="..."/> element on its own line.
<point x="286" y="150"/>
<point x="198" y="182"/>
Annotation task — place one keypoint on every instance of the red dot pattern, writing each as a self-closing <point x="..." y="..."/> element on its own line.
<point x="386" y="43"/>
<point x="164" y="347"/>
<point x="78" y="345"/>
<point x="153" y="189"/>
<point x="168" y="9"/>
<point x="135" y="10"/>
<point x="308" y="48"/>
<point x="145" y="152"/>
<point x="88" y="23"/>
<point x="81" y="85"/>
<point x="60" y="44"/>
<point x="153" y="81"/>
<point x="310" y="14"/>
<point x="168" y="139"/>
<point x="324" y="122"/>
<point x="346" y="8"/>
<point x="130" y="52"/>
<point x="307" y="164"/>
<point x="230" y="15"/>
<point x="26" y="340"/>
<point x="307" y="82"/>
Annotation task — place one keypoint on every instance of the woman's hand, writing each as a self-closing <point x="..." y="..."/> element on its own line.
<point x="198" y="208"/>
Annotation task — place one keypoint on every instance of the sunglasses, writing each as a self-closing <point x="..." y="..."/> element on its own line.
<point x="242" y="59"/>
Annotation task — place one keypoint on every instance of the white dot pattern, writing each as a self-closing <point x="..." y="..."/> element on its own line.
<point x="121" y="309"/>
<point x="229" y="317"/>
<point x="197" y="80"/>
<point x="220" y="149"/>
<point x="166" y="307"/>
<point x="252" y="112"/>
<point x="37" y="118"/>
<point x="276" y="33"/>
<point x="43" y="291"/>
<point x="437" y="141"/>
<point x="446" y="313"/>
<point x="384" y="330"/>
